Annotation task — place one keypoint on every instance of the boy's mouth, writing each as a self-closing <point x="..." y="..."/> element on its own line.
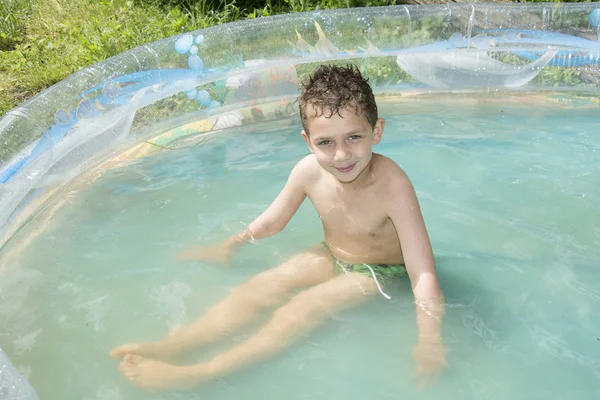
<point x="346" y="169"/>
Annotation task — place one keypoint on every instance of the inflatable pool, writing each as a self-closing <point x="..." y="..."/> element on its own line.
<point x="163" y="95"/>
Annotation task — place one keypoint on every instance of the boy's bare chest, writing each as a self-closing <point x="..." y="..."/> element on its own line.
<point x="355" y="213"/>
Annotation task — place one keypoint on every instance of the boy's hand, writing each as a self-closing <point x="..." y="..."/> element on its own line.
<point x="430" y="362"/>
<point x="220" y="253"/>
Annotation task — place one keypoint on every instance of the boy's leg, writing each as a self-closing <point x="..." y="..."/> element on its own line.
<point x="303" y="313"/>
<point x="267" y="289"/>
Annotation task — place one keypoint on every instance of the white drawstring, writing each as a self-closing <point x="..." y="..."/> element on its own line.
<point x="377" y="282"/>
<point x="361" y="288"/>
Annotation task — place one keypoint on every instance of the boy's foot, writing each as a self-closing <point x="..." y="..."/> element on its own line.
<point x="156" y="350"/>
<point x="155" y="375"/>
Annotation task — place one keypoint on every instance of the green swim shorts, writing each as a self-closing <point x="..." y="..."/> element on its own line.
<point x="385" y="273"/>
<point x="382" y="273"/>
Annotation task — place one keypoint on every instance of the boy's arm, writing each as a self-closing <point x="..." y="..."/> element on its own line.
<point x="280" y="212"/>
<point x="273" y="220"/>
<point x="406" y="215"/>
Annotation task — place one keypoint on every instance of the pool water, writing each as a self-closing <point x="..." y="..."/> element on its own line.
<point x="510" y="196"/>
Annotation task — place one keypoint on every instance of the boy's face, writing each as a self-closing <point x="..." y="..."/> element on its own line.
<point x="343" y="144"/>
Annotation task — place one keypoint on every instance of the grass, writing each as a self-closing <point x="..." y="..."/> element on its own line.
<point x="44" y="41"/>
<point x="59" y="37"/>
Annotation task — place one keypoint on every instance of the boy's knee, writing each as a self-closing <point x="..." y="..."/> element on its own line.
<point x="301" y="310"/>
<point x="259" y="291"/>
<point x="268" y="282"/>
<point x="315" y="257"/>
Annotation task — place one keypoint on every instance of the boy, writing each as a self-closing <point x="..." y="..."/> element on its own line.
<point x="373" y="227"/>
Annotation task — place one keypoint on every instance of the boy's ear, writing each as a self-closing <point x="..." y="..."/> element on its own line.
<point x="378" y="130"/>
<point x="307" y="141"/>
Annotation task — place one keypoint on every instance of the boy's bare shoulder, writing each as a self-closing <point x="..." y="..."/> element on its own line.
<point x="394" y="182"/>
<point x="306" y="170"/>
<point x="388" y="170"/>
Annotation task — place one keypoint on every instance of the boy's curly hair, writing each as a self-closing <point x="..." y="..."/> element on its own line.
<point x="331" y="88"/>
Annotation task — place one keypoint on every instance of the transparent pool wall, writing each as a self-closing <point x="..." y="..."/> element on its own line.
<point x="161" y="94"/>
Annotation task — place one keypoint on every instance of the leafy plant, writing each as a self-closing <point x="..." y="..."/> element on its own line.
<point x="12" y="22"/>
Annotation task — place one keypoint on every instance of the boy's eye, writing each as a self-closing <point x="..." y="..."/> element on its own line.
<point x="354" y="137"/>
<point x="323" y="142"/>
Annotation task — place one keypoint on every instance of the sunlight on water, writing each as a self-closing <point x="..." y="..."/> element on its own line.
<point x="510" y="198"/>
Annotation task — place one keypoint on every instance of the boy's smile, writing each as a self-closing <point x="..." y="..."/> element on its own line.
<point x="343" y="144"/>
<point x="346" y="169"/>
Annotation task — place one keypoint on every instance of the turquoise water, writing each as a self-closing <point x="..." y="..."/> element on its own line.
<point x="510" y="197"/>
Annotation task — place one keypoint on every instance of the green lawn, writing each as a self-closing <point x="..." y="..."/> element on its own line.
<point x="44" y="41"/>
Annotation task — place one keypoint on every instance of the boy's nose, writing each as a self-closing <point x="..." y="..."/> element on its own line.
<point x="341" y="154"/>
